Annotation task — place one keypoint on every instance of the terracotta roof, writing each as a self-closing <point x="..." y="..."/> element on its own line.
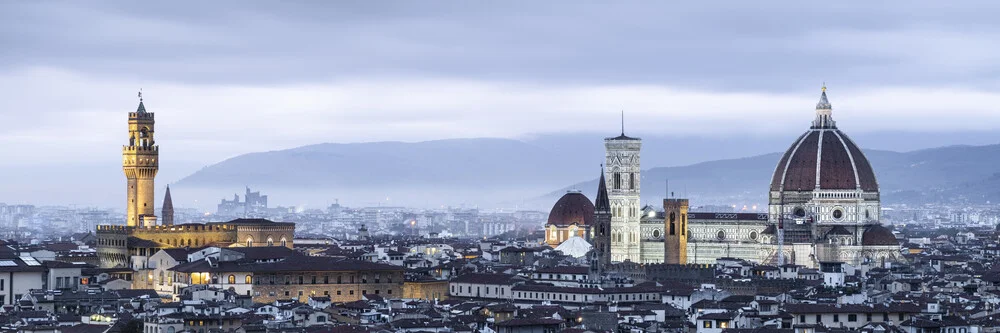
<point x="878" y="235"/>
<point x="572" y="208"/>
<point x="828" y="151"/>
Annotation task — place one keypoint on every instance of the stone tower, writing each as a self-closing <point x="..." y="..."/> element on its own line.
<point x="140" y="160"/>
<point x="675" y="228"/>
<point x="601" y="231"/>
<point x="168" y="208"/>
<point x="622" y="171"/>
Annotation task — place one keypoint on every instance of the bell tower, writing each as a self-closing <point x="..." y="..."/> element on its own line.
<point x="140" y="161"/>
<point x="675" y="227"/>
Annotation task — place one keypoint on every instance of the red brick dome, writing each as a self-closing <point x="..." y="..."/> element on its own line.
<point x="572" y="208"/>
<point x="823" y="158"/>
<point x="878" y="235"/>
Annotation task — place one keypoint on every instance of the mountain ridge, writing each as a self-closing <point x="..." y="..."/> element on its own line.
<point x="507" y="172"/>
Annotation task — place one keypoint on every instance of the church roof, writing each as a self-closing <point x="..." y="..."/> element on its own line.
<point x="877" y="235"/>
<point x="572" y="208"/>
<point x="824" y="158"/>
<point x="602" y="203"/>
<point x="575" y="247"/>
<point x="141" y="108"/>
<point x="168" y="203"/>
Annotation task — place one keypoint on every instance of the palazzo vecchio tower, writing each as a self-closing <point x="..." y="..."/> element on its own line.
<point x="140" y="161"/>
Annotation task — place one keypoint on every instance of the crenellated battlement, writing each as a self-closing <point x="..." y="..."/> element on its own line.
<point x="151" y="149"/>
<point x="114" y="229"/>
<point x="140" y="116"/>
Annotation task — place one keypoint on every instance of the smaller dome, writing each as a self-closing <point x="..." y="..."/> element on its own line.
<point x="877" y="235"/>
<point x="575" y="247"/>
<point x="572" y="208"/>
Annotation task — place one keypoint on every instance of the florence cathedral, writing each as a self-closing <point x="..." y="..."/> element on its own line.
<point x="823" y="206"/>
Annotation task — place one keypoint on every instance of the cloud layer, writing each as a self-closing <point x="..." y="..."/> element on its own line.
<point x="226" y="78"/>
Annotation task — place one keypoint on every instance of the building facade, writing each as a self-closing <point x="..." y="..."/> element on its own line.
<point x="116" y="244"/>
<point x="824" y="206"/>
<point x="622" y="173"/>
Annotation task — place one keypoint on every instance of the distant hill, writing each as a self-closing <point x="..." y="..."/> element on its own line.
<point x="954" y="173"/>
<point x="431" y="173"/>
<point x="502" y="172"/>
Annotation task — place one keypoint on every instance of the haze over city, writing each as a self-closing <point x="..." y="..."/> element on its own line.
<point x="499" y="167"/>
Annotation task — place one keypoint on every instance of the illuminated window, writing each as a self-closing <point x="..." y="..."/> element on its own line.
<point x="232" y="279"/>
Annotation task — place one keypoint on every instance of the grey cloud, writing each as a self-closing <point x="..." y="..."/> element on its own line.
<point x="768" y="46"/>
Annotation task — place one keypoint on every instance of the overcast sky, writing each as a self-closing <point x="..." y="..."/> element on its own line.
<point x="230" y="77"/>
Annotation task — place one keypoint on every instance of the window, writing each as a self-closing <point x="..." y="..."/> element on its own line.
<point x="352" y="292"/>
<point x="707" y="324"/>
<point x="631" y="181"/>
<point x="836" y="318"/>
<point x="868" y="317"/>
<point x="618" y="180"/>
<point x="852" y="317"/>
<point x="819" y="319"/>
<point x="902" y="316"/>
<point x="338" y="292"/>
<point x="248" y="280"/>
<point x="288" y="293"/>
<point x="232" y="279"/>
<point x="802" y="319"/>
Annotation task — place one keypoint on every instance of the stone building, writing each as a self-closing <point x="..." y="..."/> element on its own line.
<point x="622" y="171"/>
<point x="293" y="277"/>
<point x="117" y="245"/>
<point x="824" y="206"/>
<point x="141" y="236"/>
<point x="140" y="161"/>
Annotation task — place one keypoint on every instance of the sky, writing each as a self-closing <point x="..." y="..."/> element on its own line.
<point x="231" y="77"/>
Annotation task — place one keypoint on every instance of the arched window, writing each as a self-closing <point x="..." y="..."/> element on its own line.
<point x="284" y="242"/>
<point x="232" y="279"/>
<point x="249" y="242"/>
<point x="249" y="279"/>
<point x="170" y="329"/>
<point x="270" y="241"/>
